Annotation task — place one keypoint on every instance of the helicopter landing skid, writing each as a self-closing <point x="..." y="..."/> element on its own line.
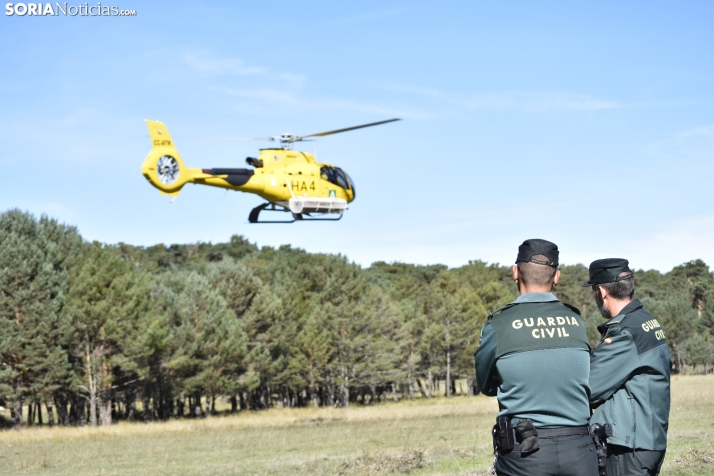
<point x="272" y="207"/>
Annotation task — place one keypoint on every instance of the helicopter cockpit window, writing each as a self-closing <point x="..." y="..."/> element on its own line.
<point x="341" y="179"/>
<point x="336" y="176"/>
<point x="352" y="185"/>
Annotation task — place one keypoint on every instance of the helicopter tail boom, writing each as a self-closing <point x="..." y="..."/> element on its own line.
<point x="163" y="167"/>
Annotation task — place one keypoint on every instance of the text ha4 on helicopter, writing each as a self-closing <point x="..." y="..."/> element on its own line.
<point x="291" y="181"/>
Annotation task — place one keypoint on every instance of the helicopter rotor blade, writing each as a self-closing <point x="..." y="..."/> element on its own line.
<point x="289" y="138"/>
<point x="222" y="137"/>
<point x="320" y="134"/>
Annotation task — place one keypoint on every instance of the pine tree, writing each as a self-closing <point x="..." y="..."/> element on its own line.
<point x="105" y="303"/>
<point x="208" y="344"/>
<point x="33" y="284"/>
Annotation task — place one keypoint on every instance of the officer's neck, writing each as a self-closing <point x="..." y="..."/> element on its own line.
<point x="527" y="289"/>
<point x="524" y="288"/>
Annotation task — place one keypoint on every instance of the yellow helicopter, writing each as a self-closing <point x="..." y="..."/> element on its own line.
<point x="290" y="181"/>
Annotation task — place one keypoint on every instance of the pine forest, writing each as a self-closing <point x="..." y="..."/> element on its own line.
<point x="94" y="333"/>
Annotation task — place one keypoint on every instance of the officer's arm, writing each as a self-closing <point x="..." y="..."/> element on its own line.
<point x="611" y="365"/>
<point x="486" y="362"/>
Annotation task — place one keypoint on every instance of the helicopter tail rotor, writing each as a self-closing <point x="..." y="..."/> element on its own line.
<point x="163" y="167"/>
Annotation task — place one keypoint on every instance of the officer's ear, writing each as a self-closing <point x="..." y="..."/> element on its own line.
<point x="556" y="278"/>
<point x="603" y="292"/>
<point x="599" y="292"/>
<point x="515" y="273"/>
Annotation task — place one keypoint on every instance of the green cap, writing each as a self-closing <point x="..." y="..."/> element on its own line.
<point x="533" y="247"/>
<point x="608" y="270"/>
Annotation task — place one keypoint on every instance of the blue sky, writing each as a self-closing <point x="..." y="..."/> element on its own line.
<point x="590" y="124"/>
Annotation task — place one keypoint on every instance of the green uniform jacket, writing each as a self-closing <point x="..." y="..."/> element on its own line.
<point x="535" y="356"/>
<point x="629" y="379"/>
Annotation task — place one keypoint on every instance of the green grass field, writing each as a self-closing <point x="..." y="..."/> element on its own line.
<point x="423" y="437"/>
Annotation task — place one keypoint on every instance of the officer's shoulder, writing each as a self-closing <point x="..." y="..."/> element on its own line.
<point x="571" y="307"/>
<point x="646" y="331"/>
<point x="501" y="309"/>
<point x="635" y="318"/>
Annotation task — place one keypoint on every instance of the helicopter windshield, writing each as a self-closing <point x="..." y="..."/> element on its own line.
<point x="335" y="176"/>
<point x="352" y="185"/>
<point x="341" y="179"/>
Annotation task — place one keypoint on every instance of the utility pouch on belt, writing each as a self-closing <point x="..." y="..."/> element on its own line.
<point x="527" y="435"/>
<point x="600" y="434"/>
<point x="503" y="433"/>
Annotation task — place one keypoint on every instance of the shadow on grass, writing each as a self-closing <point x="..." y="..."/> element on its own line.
<point x="5" y="423"/>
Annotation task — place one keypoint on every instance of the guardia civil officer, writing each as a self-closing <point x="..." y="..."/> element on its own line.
<point x="629" y="373"/>
<point x="535" y="356"/>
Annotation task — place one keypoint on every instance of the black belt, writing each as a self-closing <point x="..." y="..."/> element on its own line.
<point x="553" y="432"/>
<point x="567" y="431"/>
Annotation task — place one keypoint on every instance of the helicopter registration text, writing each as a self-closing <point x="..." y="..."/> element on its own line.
<point x="162" y="142"/>
<point x="302" y="186"/>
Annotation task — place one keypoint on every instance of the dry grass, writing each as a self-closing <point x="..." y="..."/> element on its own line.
<point x="274" y="418"/>
<point x="691" y="427"/>
<point x="695" y="459"/>
<point x="367" y="464"/>
<point x="304" y="441"/>
<point x="437" y="436"/>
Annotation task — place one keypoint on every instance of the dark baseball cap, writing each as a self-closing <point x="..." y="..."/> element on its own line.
<point x="608" y="270"/>
<point x="533" y="247"/>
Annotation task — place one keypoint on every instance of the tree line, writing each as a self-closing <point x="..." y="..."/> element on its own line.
<point x="96" y="332"/>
